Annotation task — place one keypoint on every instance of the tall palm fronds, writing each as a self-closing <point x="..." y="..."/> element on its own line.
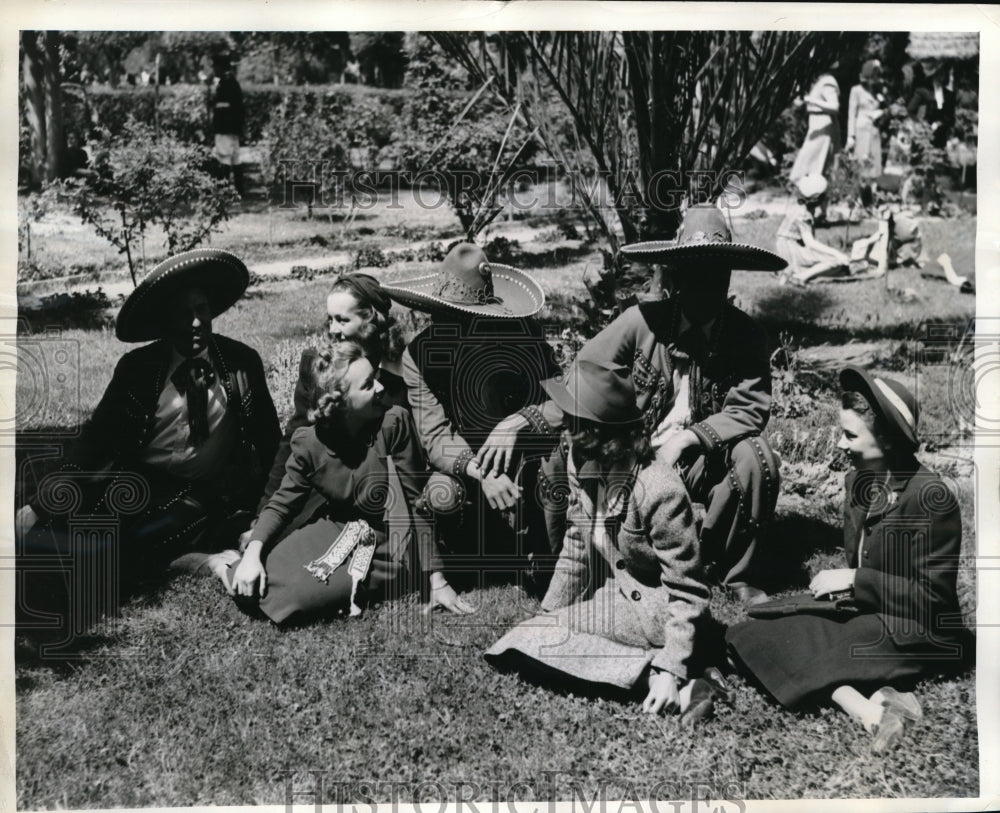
<point x="659" y="116"/>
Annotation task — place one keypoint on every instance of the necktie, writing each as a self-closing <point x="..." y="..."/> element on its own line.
<point x="193" y="378"/>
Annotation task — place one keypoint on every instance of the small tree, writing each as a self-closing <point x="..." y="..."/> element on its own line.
<point x="139" y="181"/>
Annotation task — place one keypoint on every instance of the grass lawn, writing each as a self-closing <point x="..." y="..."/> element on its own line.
<point x="189" y="701"/>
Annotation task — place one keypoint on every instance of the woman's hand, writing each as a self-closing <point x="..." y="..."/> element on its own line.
<point x="500" y="491"/>
<point x="444" y="595"/>
<point x="663" y="693"/>
<point x="496" y="453"/>
<point x="675" y="446"/>
<point x="835" y="580"/>
<point x="250" y="573"/>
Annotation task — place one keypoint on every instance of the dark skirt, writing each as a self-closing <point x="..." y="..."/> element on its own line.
<point x="801" y="659"/>
<point x="294" y="594"/>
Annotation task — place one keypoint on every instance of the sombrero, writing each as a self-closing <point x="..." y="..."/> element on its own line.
<point x="221" y="275"/>
<point x="890" y="399"/>
<point x="467" y="282"/>
<point x="704" y="235"/>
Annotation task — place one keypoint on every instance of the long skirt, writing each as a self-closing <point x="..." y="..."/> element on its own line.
<point x="801" y="659"/>
<point x="294" y="594"/>
<point x="593" y="641"/>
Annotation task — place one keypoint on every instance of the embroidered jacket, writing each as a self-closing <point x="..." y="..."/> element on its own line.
<point x="730" y="374"/>
<point x="123" y="421"/>
<point x="462" y="379"/>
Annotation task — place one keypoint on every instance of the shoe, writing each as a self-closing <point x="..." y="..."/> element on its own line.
<point x="749" y="595"/>
<point x="904" y="703"/>
<point x="889" y="731"/>
<point x="702" y="703"/>
<point x="720" y="686"/>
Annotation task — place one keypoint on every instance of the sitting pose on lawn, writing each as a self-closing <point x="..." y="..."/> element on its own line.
<point x="481" y="358"/>
<point x="898" y="616"/>
<point x="179" y="446"/>
<point x="628" y="590"/>
<point x="703" y="384"/>
<point x="356" y="451"/>
<point x="807" y="257"/>
<point x="357" y="308"/>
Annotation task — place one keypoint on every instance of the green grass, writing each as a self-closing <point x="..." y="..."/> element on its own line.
<point x="191" y="702"/>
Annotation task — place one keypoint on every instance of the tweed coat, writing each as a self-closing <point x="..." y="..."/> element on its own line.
<point x="647" y="571"/>
<point x="123" y="422"/>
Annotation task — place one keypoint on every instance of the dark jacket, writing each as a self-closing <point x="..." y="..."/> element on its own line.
<point x="123" y="422"/>
<point x="463" y="378"/>
<point x="730" y="376"/>
<point x="909" y="560"/>
<point x="227" y="108"/>
<point x="302" y="398"/>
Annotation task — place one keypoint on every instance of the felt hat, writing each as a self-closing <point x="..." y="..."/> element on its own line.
<point x="704" y="235"/>
<point x="600" y="391"/>
<point x="811" y="186"/>
<point x="221" y="275"/>
<point x="467" y="282"/>
<point x="890" y="400"/>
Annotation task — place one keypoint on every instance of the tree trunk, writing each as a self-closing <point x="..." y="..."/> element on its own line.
<point x="55" y="137"/>
<point x="34" y="87"/>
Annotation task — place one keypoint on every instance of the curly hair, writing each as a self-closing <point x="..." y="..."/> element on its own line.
<point x="608" y="444"/>
<point x="326" y="377"/>
<point x="374" y="306"/>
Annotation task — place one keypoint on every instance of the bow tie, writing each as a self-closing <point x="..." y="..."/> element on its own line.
<point x="193" y="378"/>
<point x="691" y="344"/>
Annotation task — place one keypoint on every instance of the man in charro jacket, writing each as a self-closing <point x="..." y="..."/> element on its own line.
<point x="180" y="443"/>
<point x="701" y="371"/>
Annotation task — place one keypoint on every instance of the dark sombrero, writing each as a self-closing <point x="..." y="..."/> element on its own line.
<point x="221" y="275"/>
<point x="467" y="282"/>
<point x="704" y="235"/>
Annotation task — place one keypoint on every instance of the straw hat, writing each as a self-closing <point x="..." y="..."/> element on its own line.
<point x="705" y="235"/>
<point x="467" y="282"/>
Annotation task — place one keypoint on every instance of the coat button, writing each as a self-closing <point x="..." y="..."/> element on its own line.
<point x="636" y="595"/>
<point x="620" y="564"/>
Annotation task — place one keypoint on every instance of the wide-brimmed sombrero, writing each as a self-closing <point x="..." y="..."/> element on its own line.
<point x="221" y="275"/>
<point x="890" y="399"/>
<point x="467" y="282"/>
<point x="704" y="235"/>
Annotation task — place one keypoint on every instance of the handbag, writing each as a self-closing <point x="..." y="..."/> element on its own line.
<point x="839" y="605"/>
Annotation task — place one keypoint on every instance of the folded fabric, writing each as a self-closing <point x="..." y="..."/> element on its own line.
<point x="838" y="606"/>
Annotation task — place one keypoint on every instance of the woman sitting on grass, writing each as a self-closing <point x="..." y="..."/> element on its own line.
<point x="807" y="257"/>
<point x="631" y="535"/>
<point x="345" y="457"/>
<point x="898" y="617"/>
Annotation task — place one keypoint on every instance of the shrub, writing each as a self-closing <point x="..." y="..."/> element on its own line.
<point x="139" y="180"/>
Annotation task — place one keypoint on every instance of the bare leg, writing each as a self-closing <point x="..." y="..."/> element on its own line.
<point x="828" y="268"/>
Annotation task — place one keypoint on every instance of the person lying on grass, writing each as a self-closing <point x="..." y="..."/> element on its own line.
<point x="630" y="518"/>
<point x="356" y="468"/>
<point x="808" y="258"/>
<point x="896" y="621"/>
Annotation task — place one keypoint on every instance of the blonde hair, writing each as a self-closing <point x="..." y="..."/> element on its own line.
<point x="326" y="373"/>
<point x="373" y="306"/>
